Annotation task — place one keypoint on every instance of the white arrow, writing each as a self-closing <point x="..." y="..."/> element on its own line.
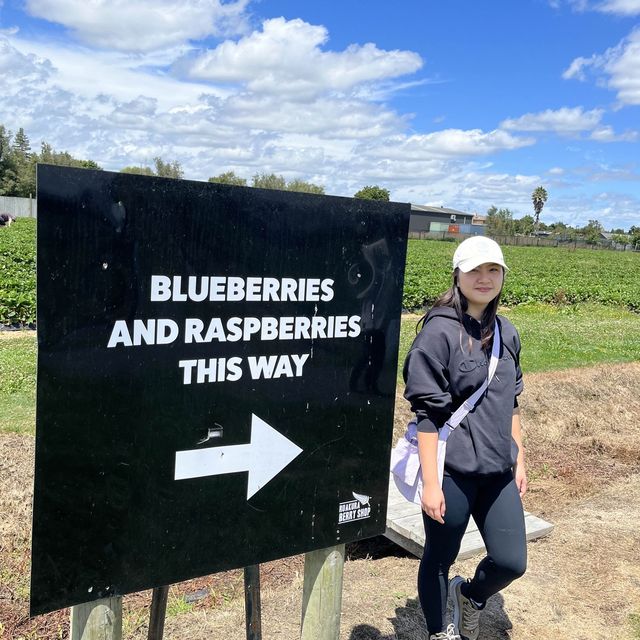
<point x="267" y="453"/>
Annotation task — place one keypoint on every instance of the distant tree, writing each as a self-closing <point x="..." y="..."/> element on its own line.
<point x="499" y="222"/>
<point x="523" y="226"/>
<point x="48" y="155"/>
<point x="621" y="238"/>
<point x="18" y="163"/>
<point x="592" y="232"/>
<point x="161" y="169"/>
<point x="168" y="169"/>
<point x="305" y="187"/>
<point x="618" y="231"/>
<point x="563" y="231"/>
<point x="139" y="171"/>
<point x="229" y="177"/>
<point x="269" y="181"/>
<point x="21" y="143"/>
<point x="24" y="163"/>
<point x="373" y="192"/>
<point x="538" y="197"/>
<point x="8" y="175"/>
<point x="90" y="164"/>
<point x="273" y="181"/>
<point x="5" y="143"/>
<point x="634" y="233"/>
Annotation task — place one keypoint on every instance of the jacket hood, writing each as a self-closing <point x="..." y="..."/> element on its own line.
<point x="442" y="312"/>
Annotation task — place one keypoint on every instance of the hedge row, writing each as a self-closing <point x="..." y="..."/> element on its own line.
<point x="537" y="274"/>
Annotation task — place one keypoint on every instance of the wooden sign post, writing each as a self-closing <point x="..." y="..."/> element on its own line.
<point x="322" y="594"/>
<point x="97" y="620"/>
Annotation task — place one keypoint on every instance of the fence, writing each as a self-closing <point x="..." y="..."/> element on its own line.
<point x="525" y="241"/>
<point x="19" y="207"/>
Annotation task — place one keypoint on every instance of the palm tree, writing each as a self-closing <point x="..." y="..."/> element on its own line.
<point x="538" y="197"/>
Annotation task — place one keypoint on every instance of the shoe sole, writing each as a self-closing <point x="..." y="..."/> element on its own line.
<point x="453" y="594"/>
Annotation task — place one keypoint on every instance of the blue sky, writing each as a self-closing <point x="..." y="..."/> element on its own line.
<point x="464" y="104"/>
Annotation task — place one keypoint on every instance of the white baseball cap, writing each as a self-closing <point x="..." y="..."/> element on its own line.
<point x="473" y="252"/>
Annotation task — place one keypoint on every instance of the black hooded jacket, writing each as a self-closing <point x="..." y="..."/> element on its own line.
<point x="445" y="365"/>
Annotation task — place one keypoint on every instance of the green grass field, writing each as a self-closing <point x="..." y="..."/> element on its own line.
<point x="561" y="337"/>
<point x="553" y="337"/>
<point x="18" y="382"/>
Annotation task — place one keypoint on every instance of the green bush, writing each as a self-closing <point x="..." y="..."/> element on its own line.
<point x="18" y="273"/>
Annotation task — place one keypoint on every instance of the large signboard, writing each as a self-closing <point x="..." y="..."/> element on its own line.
<point x="216" y="378"/>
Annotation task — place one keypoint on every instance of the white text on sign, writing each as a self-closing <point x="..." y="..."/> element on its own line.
<point x="230" y="369"/>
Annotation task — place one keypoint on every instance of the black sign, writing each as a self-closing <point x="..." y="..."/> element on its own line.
<point x="216" y="378"/>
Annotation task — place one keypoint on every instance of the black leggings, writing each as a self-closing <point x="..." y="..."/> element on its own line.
<point x="494" y="503"/>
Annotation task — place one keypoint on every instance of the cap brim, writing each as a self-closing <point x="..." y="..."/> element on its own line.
<point x="471" y="263"/>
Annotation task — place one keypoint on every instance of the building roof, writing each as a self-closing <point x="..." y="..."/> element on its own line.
<point x="417" y="208"/>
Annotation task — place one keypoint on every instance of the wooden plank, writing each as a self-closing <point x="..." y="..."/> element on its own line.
<point x="404" y="542"/>
<point x="322" y="594"/>
<point x="406" y="528"/>
<point x="405" y="508"/>
<point x="536" y="527"/>
<point x="97" y="620"/>
<point x="471" y="545"/>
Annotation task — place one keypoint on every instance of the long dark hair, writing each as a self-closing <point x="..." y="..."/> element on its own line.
<point x="455" y="299"/>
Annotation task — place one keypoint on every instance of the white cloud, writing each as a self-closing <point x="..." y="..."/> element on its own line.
<point x="620" y="7"/>
<point x="446" y="143"/>
<point x="124" y="77"/>
<point x="286" y="58"/>
<point x="143" y="25"/>
<point x="278" y="100"/>
<point x="609" y="208"/>
<point x="607" y="134"/>
<point x="556" y="171"/>
<point x="618" y="67"/>
<point x="623" y="67"/>
<point x="16" y="67"/>
<point x="326" y="117"/>
<point x="565" y="121"/>
<point x="577" y="66"/>
<point x="614" y="7"/>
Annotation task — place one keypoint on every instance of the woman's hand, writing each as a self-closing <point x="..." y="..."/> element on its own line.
<point x="519" y="472"/>
<point x="433" y="502"/>
<point x="520" y="476"/>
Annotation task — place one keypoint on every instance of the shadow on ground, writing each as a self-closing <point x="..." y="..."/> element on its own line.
<point x="375" y="549"/>
<point x="408" y="623"/>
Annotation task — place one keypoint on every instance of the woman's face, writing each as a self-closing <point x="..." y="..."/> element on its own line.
<point x="481" y="285"/>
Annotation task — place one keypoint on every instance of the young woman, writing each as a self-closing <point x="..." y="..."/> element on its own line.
<point x="484" y="473"/>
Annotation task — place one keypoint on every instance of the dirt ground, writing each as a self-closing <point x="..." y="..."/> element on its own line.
<point x="582" y="434"/>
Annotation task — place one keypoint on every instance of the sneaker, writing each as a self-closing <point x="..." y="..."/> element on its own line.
<point x="466" y="617"/>
<point x="449" y="634"/>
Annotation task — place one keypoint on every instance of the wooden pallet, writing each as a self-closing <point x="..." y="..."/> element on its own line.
<point x="405" y="527"/>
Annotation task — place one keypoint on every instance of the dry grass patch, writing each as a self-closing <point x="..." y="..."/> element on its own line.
<point x="582" y="430"/>
<point x="584" y="580"/>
